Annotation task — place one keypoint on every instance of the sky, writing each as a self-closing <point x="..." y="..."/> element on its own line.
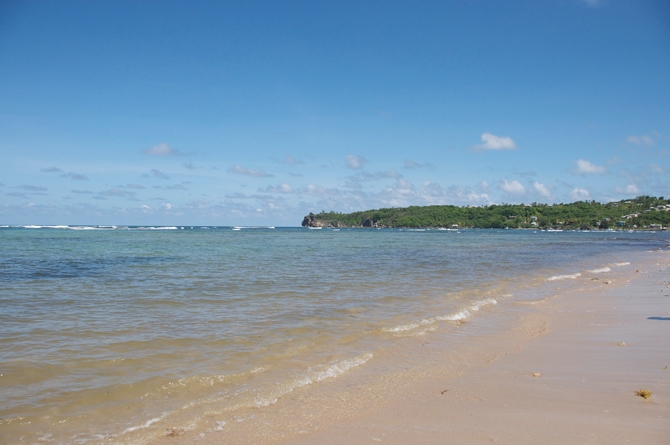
<point x="259" y="112"/>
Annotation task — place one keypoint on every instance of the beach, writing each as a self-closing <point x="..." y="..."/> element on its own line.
<point x="572" y="379"/>
<point x="271" y="336"/>
<point x="567" y="372"/>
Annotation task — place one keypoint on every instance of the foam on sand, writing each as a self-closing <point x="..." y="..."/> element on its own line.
<point x="564" y="277"/>
<point x="312" y="376"/>
<point x="601" y="270"/>
<point x="460" y="315"/>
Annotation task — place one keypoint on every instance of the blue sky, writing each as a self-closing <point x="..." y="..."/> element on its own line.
<point x="245" y="113"/>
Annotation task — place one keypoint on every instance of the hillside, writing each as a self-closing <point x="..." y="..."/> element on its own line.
<point x="641" y="212"/>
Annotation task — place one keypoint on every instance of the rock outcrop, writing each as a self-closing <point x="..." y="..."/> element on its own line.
<point x="311" y="221"/>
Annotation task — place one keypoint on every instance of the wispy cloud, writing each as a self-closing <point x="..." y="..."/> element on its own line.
<point x="135" y="186"/>
<point x="162" y="149"/>
<point x="290" y="160"/>
<point x="641" y="140"/>
<point x="82" y="192"/>
<point x="75" y="176"/>
<point x="156" y="174"/>
<point x="281" y="188"/>
<point x="239" y="170"/>
<point x="51" y="170"/>
<point x="355" y="162"/>
<point x="493" y="142"/>
<point x="176" y="187"/>
<point x="512" y="187"/>
<point x="116" y="192"/>
<point x="189" y="165"/>
<point x="586" y="167"/>
<point x="411" y="164"/>
<point x="33" y="188"/>
<point x="367" y="176"/>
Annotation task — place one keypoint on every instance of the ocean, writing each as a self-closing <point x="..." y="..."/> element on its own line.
<point x="128" y="334"/>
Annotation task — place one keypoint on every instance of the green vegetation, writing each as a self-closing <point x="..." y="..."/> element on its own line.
<point x="640" y="212"/>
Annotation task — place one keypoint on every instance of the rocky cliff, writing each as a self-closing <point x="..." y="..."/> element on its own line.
<point x="312" y="221"/>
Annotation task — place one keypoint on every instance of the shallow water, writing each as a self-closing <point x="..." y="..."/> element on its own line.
<point x="111" y="334"/>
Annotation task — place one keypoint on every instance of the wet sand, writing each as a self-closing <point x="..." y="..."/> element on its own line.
<point x="569" y="378"/>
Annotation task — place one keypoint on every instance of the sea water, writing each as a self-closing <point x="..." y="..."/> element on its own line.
<point x="118" y="334"/>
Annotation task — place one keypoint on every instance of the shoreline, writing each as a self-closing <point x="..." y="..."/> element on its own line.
<point x="572" y="381"/>
<point x="548" y="371"/>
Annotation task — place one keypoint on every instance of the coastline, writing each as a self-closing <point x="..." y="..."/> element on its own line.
<point x="487" y="390"/>
<point x="571" y="381"/>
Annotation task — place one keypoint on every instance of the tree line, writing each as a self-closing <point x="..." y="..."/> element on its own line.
<point x="641" y="212"/>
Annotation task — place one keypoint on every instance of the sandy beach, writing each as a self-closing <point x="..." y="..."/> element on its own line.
<point x="568" y="376"/>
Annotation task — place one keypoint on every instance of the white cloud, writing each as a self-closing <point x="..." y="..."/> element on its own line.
<point x="281" y="188"/>
<point x="162" y="149"/>
<point x="630" y="189"/>
<point x="542" y="190"/>
<point x="578" y="194"/>
<point x="493" y="142"/>
<point x="640" y="140"/>
<point x="586" y="167"/>
<point x="239" y="170"/>
<point x="484" y="187"/>
<point x="355" y="162"/>
<point x="512" y="187"/>
<point x="166" y="205"/>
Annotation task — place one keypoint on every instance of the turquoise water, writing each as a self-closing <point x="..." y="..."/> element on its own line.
<point x="105" y="333"/>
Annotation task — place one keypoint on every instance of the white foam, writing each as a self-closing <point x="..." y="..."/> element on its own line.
<point x="456" y="316"/>
<point x="146" y="424"/>
<point x="409" y="327"/>
<point x="564" y="277"/>
<point x="343" y="366"/>
<point x="601" y="270"/>
<point x="219" y="425"/>
<point x="625" y="263"/>
<point x="332" y="371"/>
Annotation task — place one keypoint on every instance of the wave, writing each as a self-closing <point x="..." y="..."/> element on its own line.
<point x="146" y="424"/>
<point x="624" y="263"/>
<point x="564" y="277"/>
<point x="460" y="315"/>
<point x="156" y="228"/>
<point x="334" y="370"/>
<point x="253" y="227"/>
<point x="601" y="270"/>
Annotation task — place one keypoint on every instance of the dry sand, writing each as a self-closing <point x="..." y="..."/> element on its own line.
<point x="574" y="384"/>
